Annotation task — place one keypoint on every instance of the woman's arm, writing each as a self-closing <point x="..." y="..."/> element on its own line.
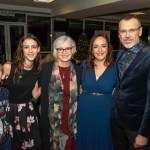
<point x="6" y="70"/>
<point x="36" y="92"/>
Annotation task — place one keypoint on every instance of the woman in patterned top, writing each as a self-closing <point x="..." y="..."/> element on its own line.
<point x="60" y="80"/>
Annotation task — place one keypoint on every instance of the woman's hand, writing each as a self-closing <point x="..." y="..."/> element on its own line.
<point x="6" y="70"/>
<point x="36" y="92"/>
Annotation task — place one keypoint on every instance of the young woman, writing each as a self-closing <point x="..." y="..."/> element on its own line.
<point x="94" y="103"/>
<point x="60" y="81"/>
<point x="21" y="81"/>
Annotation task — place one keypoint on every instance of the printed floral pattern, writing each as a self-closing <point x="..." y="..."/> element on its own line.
<point x="56" y="106"/>
<point x="23" y="125"/>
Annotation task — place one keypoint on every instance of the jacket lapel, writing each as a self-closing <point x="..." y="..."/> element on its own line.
<point x="118" y="58"/>
<point x="137" y="59"/>
<point x="47" y="74"/>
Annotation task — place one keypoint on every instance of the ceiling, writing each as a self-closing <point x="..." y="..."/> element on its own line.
<point x="77" y="9"/>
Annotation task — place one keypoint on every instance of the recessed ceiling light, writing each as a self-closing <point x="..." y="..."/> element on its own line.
<point x="43" y="1"/>
<point x="137" y="13"/>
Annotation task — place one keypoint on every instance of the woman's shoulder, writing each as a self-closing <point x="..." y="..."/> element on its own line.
<point x="83" y="62"/>
<point x="83" y="65"/>
<point x="77" y="67"/>
<point x="112" y="67"/>
<point x="46" y="69"/>
<point x="47" y="65"/>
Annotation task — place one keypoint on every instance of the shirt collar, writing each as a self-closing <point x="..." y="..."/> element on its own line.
<point x="135" y="49"/>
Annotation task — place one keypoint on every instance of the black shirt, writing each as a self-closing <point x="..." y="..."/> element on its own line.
<point x="21" y="92"/>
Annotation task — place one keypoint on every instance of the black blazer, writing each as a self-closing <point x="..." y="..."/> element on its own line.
<point x="131" y="100"/>
<point x="44" y="121"/>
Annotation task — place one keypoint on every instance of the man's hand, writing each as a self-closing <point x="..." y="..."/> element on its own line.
<point x="140" y="141"/>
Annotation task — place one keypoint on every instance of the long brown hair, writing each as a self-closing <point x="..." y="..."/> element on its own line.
<point x="19" y="56"/>
<point x="90" y="59"/>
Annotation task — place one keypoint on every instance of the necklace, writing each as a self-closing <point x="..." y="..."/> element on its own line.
<point x="97" y="69"/>
<point x="62" y="71"/>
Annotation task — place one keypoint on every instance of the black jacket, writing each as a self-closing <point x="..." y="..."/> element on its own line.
<point x="131" y="100"/>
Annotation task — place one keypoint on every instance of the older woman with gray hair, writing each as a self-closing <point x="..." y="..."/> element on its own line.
<point x="60" y="81"/>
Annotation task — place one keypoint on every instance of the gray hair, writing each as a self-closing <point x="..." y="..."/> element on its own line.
<point x="60" y="40"/>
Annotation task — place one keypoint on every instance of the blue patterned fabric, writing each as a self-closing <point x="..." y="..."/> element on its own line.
<point x="127" y="58"/>
<point x="4" y="96"/>
<point x="4" y="128"/>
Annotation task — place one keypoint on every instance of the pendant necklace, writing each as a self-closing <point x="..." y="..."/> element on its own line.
<point x="63" y="72"/>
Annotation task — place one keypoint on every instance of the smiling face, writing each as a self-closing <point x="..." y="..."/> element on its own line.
<point x="64" y="53"/>
<point x="129" y="32"/>
<point x="30" y="50"/>
<point x="100" y="49"/>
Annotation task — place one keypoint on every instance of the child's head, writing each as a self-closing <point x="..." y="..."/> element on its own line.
<point x="1" y="71"/>
<point x="25" y="43"/>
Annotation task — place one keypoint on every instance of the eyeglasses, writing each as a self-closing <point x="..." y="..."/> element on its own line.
<point x="131" y="31"/>
<point x="67" y="49"/>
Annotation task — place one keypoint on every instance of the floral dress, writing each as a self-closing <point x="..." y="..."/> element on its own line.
<point x="20" y="112"/>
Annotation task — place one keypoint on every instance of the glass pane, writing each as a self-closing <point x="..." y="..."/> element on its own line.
<point x="12" y="17"/>
<point x="41" y="27"/>
<point x="91" y="27"/>
<point x="114" y="40"/>
<point x="2" y="45"/>
<point x="15" y="34"/>
<point x="75" y="29"/>
<point x="145" y="34"/>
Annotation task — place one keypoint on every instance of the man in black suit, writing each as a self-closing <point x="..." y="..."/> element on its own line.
<point x="130" y="120"/>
